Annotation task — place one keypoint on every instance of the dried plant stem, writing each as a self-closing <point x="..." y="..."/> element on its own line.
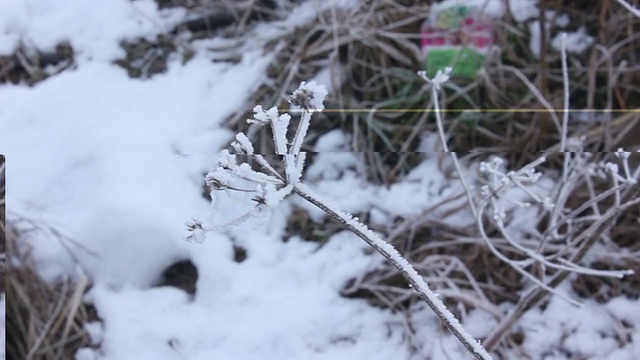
<point x="408" y="272"/>
<point x="628" y="6"/>
<point x="536" y="295"/>
<point x="271" y="189"/>
<point x="571" y="174"/>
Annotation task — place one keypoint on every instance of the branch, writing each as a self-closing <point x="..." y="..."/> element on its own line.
<point x="395" y="258"/>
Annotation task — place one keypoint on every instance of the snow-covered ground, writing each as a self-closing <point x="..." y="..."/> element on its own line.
<point x="117" y="163"/>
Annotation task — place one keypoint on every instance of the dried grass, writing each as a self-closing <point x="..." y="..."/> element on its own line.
<point x="30" y="66"/>
<point x="43" y="321"/>
<point x="371" y="53"/>
<point x="515" y="82"/>
<point x="603" y="80"/>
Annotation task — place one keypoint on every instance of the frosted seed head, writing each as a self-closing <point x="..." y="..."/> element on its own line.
<point x="575" y="144"/>
<point x="507" y="178"/>
<point x="621" y="154"/>
<point x="547" y="203"/>
<point x="309" y="96"/>
<point x="259" y="116"/>
<point x="611" y="167"/>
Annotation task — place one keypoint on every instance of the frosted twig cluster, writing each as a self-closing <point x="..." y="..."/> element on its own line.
<point x="496" y="200"/>
<point x="556" y="250"/>
<point x="546" y="255"/>
<point x="268" y="188"/>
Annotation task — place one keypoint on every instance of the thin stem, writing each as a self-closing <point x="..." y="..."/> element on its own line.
<point x="408" y="272"/>
<point x="436" y="105"/>
<point x="301" y="132"/>
<point x="565" y="83"/>
<point x="628" y="6"/>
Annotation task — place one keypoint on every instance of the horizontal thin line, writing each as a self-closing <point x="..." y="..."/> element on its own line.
<point x="476" y="110"/>
<point x="633" y="153"/>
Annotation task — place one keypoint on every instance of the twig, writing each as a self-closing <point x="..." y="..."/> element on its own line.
<point x="631" y="9"/>
<point x="408" y="272"/>
<point x="271" y="189"/>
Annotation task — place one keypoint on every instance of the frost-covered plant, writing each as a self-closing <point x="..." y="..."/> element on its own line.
<point x="269" y="187"/>
<point x="549" y="250"/>
<point x="569" y="233"/>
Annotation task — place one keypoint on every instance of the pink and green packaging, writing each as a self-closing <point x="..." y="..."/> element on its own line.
<point x="458" y="36"/>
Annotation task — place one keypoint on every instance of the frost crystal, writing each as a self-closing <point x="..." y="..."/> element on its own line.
<point x="245" y="143"/>
<point x="621" y="154"/>
<point x="309" y="96"/>
<point x="440" y="78"/>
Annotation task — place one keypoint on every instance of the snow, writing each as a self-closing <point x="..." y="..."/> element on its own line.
<point x="43" y="24"/>
<point x="118" y="149"/>
<point x="298" y="16"/>
<point x="523" y="10"/>
<point x="395" y="258"/>
<point x="492" y="8"/>
<point x="337" y="174"/>
<point x="108" y="169"/>
<point x="589" y="332"/>
<point x="331" y="76"/>
<point x="576" y="42"/>
<point x="116" y="165"/>
<point x="292" y="308"/>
